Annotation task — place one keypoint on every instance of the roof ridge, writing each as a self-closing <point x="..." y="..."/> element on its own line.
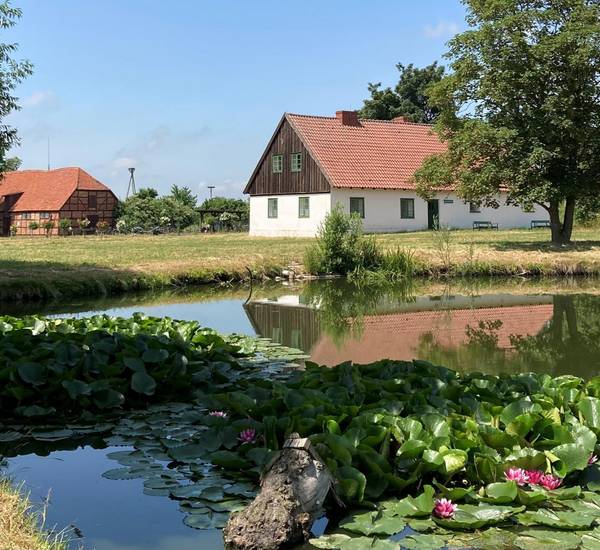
<point x="364" y="119"/>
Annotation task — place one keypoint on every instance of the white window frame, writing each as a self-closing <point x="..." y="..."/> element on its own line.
<point x="277" y="164"/>
<point x="296" y="162"/>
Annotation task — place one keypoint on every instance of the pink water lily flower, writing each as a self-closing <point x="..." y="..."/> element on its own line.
<point x="516" y="474"/>
<point x="247" y="436"/>
<point x="444" y="508"/>
<point x="550" y="482"/>
<point x="534" y="476"/>
<point x="219" y="414"/>
<point x="592" y="460"/>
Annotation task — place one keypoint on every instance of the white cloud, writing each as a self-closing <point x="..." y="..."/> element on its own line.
<point x="444" y="29"/>
<point x="41" y="98"/>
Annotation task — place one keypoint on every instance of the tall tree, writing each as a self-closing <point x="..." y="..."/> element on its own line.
<point x="12" y="72"/>
<point x="520" y="110"/>
<point x="183" y="195"/>
<point x="408" y="98"/>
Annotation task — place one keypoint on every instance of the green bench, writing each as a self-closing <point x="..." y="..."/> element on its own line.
<point x="539" y="223"/>
<point x="484" y="225"/>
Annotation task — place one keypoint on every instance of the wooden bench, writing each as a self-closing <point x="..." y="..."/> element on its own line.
<point x="484" y="225"/>
<point x="539" y="223"/>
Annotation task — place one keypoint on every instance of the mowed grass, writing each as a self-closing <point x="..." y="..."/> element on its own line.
<point x="39" y="267"/>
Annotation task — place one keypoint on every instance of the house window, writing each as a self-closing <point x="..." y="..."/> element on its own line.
<point x="407" y="208"/>
<point x="92" y="202"/>
<point x="296" y="162"/>
<point x="474" y="208"/>
<point x="448" y="201"/>
<point x="277" y="162"/>
<point x="357" y="206"/>
<point x="272" y="207"/>
<point x="44" y="215"/>
<point x="304" y="207"/>
<point x="26" y="216"/>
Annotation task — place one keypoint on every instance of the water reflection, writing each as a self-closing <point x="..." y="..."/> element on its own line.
<point x="500" y="332"/>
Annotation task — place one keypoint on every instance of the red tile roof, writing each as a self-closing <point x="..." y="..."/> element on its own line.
<point x="398" y="335"/>
<point x="373" y="154"/>
<point x="46" y="190"/>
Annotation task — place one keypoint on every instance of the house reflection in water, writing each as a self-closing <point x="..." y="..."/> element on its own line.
<point x="405" y="330"/>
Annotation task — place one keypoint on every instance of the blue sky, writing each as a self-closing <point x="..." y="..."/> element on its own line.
<point x="189" y="92"/>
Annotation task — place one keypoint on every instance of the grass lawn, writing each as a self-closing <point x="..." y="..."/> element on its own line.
<point x="39" y="267"/>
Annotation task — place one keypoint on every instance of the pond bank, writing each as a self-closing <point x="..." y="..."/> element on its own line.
<point x="40" y="269"/>
<point x="21" y="526"/>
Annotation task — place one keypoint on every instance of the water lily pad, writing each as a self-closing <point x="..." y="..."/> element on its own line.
<point x="344" y="542"/>
<point x="373" y="523"/>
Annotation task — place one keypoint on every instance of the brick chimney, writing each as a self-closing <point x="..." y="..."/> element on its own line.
<point x="347" y="118"/>
<point x="400" y="119"/>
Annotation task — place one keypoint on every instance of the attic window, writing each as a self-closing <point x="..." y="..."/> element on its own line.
<point x="296" y="162"/>
<point x="92" y="201"/>
<point x="277" y="163"/>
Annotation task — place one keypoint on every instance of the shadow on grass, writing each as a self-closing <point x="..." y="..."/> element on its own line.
<point x="537" y="246"/>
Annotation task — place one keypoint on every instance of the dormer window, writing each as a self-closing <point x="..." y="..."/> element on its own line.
<point x="277" y="163"/>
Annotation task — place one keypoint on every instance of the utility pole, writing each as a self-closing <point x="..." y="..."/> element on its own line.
<point x="131" y="186"/>
<point x="210" y="188"/>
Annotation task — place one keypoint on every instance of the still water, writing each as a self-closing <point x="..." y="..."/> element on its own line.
<point x="493" y="327"/>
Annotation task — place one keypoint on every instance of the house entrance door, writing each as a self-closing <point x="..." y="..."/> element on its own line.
<point x="433" y="214"/>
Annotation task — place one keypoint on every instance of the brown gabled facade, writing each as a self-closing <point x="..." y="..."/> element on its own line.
<point x="285" y="142"/>
<point x="40" y="196"/>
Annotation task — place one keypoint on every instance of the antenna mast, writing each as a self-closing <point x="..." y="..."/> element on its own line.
<point x="131" y="186"/>
<point x="48" y="153"/>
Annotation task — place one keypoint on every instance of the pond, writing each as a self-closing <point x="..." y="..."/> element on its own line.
<point x="489" y="326"/>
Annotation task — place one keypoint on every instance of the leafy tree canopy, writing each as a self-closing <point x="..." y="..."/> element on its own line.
<point x="520" y="110"/>
<point x="225" y="203"/>
<point x="183" y="195"/>
<point x="408" y="98"/>
<point x="147" y="211"/>
<point x="12" y="72"/>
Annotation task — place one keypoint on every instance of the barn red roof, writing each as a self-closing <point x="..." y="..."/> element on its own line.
<point x="46" y="190"/>
<point x="374" y="154"/>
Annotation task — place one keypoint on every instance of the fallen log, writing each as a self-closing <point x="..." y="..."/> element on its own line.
<point x="293" y="490"/>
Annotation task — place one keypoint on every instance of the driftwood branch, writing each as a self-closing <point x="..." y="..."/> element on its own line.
<point x="293" y="490"/>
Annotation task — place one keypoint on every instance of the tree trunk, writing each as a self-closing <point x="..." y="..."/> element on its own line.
<point x="562" y="231"/>
<point x="292" y="494"/>
<point x="567" y="228"/>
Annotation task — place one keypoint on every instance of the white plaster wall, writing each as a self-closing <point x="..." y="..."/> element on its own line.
<point x="287" y="223"/>
<point x="382" y="211"/>
<point x="457" y="215"/>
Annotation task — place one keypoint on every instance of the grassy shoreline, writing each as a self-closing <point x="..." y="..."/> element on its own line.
<point x="33" y="268"/>
<point x="22" y="525"/>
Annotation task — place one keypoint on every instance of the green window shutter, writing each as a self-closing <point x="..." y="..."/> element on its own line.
<point x="304" y="207"/>
<point x="272" y="208"/>
<point x="407" y="208"/>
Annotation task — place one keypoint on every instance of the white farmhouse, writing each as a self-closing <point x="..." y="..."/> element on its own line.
<point x="313" y="163"/>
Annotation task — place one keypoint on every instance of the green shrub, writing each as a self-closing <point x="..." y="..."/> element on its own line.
<point x="34" y="226"/>
<point x="341" y="246"/>
<point x="64" y="226"/>
<point x="48" y="227"/>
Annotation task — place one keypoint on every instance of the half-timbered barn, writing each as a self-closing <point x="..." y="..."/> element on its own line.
<point x="40" y="196"/>
<point x="313" y="163"/>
